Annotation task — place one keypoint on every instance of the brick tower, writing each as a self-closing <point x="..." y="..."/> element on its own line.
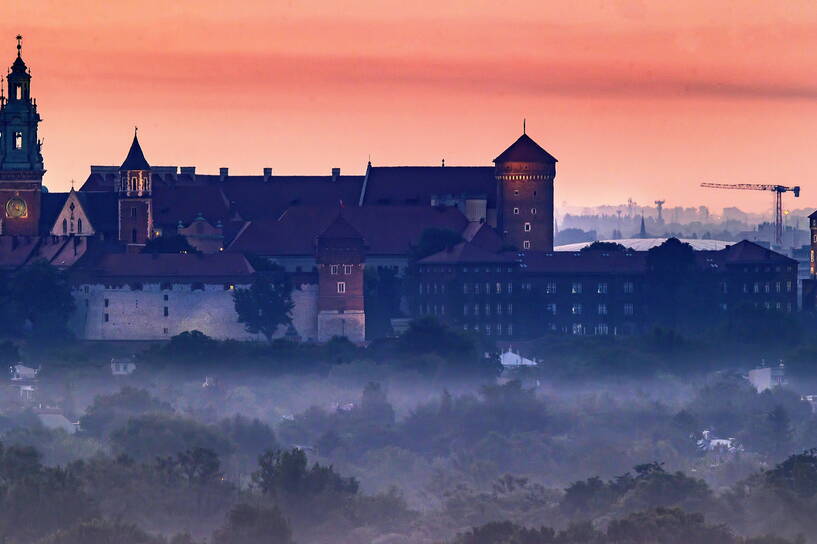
<point x="135" y="201"/>
<point x="524" y="173"/>
<point x="21" y="162"/>
<point x="340" y="254"/>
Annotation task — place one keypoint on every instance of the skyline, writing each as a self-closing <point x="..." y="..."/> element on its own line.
<point x="306" y="86"/>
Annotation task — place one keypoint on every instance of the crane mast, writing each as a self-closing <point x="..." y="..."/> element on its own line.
<point x="778" y="200"/>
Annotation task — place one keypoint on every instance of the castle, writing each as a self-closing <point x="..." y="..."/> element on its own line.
<point x="332" y="234"/>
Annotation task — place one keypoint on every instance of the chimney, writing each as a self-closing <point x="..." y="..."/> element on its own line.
<point x="267" y="174"/>
<point x="222" y="173"/>
<point x="335" y="174"/>
<point x="188" y="170"/>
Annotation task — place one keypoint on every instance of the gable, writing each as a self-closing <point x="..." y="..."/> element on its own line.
<point x="72" y="219"/>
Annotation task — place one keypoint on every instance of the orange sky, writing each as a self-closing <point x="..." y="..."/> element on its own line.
<point x="641" y="99"/>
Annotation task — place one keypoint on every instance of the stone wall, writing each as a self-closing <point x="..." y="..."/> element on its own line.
<point x="351" y="324"/>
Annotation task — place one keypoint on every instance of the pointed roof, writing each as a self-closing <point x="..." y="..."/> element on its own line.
<point x="524" y="149"/>
<point x="135" y="159"/>
<point x="19" y="66"/>
<point x="340" y="228"/>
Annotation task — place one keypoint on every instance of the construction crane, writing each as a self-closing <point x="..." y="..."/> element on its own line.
<point x="778" y="200"/>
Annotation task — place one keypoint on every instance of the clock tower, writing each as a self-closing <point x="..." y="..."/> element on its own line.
<point x="21" y="160"/>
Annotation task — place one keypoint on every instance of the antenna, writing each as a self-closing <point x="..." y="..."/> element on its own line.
<point x="524" y="126"/>
<point x="19" y="44"/>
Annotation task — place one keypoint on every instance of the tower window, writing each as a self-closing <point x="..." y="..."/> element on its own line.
<point x="19" y="92"/>
<point x="18" y="140"/>
<point x="516" y="211"/>
<point x="527" y="227"/>
<point x="526" y="244"/>
<point x="533" y="211"/>
<point x="341" y="287"/>
<point x="133" y="236"/>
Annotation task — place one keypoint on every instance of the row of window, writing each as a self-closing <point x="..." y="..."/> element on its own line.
<point x="18" y="140"/>
<point x="467" y="269"/>
<point x="334" y="269"/>
<point x="498" y="309"/>
<point x="758" y="286"/>
<point x="196" y="286"/>
<point x="487" y="288"/>
<point x="489" y="329"/>
<point x="601" y="288"/>
<point x="532" y="211"/>
<point x="601" y="309"/>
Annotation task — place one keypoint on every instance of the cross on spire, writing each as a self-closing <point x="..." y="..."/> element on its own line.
<point x="19" y="44"/>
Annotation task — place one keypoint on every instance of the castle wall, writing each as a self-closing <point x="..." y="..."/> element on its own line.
<point x="153" y="313"/>
<point x="351" y="324"/>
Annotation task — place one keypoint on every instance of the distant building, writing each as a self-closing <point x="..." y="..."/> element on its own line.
<point x="766" y="378"/>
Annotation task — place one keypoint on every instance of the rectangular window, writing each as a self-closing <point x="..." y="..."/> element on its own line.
<point x="465" y="309"/>
<point x="602" y="329"/>
<point x="551" y="308"/>
<point x="466" y="288"/>
<point x="601" y="288"/>
<point x="341" y="287"/>
<point x="602" y="309"/>
<point x="164" y="330"/>
<point x="628" y="309"/>
<point x="166" y="312"/>
<point x="166" y="297"/>
<point x="576" y="288"/>
<point x="476" y="309"/>
<point x="18" y="140"/>
<point x="333" y="269"/>
<point x="106" y="318"/>
<point x="510" y="329"/>
<point x="107" y="302"/>
<point x="347" y="269"/>
<point x="498" y="288"/>
<point x="550" y="288"/>
<point x="516" y="212"/>
<point x="527" y="227"/>
<point x="629" y="287"/>
<point x="499" y="309"/>
<point x="510" y="309"/>
<point x="788" y="287"/>
<point x="526" y="244"/>
<point x="576" y="309"/>
<point x="487" y="309"/>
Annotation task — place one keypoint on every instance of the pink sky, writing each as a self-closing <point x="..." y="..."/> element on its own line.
<point x="635" y="98"/>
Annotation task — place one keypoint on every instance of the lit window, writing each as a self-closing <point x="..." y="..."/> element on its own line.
<point x="341" y="287"/>
<point x="602" y="309"/>
<point x="65" y="226"/>
<point x="550" y="288"/>
<point x="601" y="288"/>
<point x="628" y="309"/>
<point x="18" y="92"/>
<point x="576" y="309"/>
<point x="79" y="226"/>
<point x="106" y="318"/>
<point x="576" y="288"/>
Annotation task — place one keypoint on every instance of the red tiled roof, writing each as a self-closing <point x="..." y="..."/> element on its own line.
<point x="171" y="205"/>
<point x="170" y="265"/>
<point x="465" y="252"/>
<point x="483" y="235"/>
<point x="586" y="262"/>
<point x="387" y="230"/>
<point x="415" y="185"/>
<point x="524" y="149"/>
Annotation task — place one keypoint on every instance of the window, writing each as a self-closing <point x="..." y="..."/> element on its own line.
<point x="333" y="269"/>
<point x="516" y="212"/>
<point x="164" y="330"/>
<point x="629" y="287"/>
<point x="628" y="309"/>
<point x="133" y="211"/>
<point x="724" y="287"/>
<point x="166" y="297"/>
<point x="510" y="309"/>
<point x="602" y="309"/>
<point x="347" y="269"/>
<point x="476" y="309"/>
<point x="516" y="192"/>
<point x="526" y="244"/>
<point x="601" y="288"/>
<point x="576" y="309"/>
<point x="65" y="226"/>
<point x="550" y="288"/>
<point x="576" y="288"/>
<point x="499" y="309"/>
<point x="788" y="287"/>
<point x="341" y="287"/>
<point x="756" y="288"/>
<point x="499" y="329"/>
<point x="465" y="309"/>
<point x="551" y="308"/>
<point x="601" y="329"/>
<point x="578" y="328"/>
<point x="527" y="227"/>
<point x="533" y="211"/>
<point x="487" y="309"/>
<point x="107" y="302"/>
<point x="18" y="140"/>
<point x="107" y="318"/>
<point x="767" y="288"/>
<point x="510" y="288"/>
<point x="166" y="311"/>
<point x="133" y="236"/>
<point x="79" y="226"/>
<point x="498" y="288"/>
<point x="510" y="329"/>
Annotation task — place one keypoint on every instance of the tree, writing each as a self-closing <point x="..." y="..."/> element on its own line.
<point x="161" y="435"/>
<point x="174" y="243"/>
<point x="285" y="473"/>
<point x="103" y="532"/>
<point x="39" y="296"/>
<point x="108" y="412"/>
<point x="267" y="304"/>
<point x="248" y="524"/>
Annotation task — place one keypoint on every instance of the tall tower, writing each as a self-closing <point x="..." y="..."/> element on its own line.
<point x="21" y="162"/>
<point x="340" y="254"/>
<point x="524" y="173"/>
<point x="135" y="201"/>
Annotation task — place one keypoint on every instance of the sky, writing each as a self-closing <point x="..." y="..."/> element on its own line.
<point x="637" y="99"/>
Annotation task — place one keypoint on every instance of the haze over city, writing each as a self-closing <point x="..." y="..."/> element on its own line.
<point x="636" y="99"/>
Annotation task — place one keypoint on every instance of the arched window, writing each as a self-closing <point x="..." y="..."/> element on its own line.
<point x="79" y="226"/>
<point x="133" y="236"/>
<point x="65" y="226"/>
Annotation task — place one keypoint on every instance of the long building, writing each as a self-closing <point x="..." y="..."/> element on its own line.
<point x="332" y="234"/>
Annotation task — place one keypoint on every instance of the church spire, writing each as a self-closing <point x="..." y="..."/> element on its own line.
<point x="136" y="158"/>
